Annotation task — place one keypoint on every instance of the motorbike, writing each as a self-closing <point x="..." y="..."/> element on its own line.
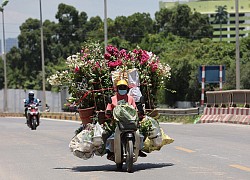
<point x="126" y="146"/>
<point x="33" y="115"/>
<point x="126" y="140"/>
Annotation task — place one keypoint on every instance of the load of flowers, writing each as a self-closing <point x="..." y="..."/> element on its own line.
<point x="89" y="80"/>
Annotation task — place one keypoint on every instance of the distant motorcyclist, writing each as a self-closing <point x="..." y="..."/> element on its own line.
<point x="30" y="100"/>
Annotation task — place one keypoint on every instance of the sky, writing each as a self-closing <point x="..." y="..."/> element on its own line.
<point x="17" y="11"/>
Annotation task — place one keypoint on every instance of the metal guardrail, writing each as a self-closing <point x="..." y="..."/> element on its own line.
<point x="179" y="112"/>
<point x="229" y="98"/>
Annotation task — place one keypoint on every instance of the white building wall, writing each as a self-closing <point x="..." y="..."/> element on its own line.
<point x="16" y="96"/>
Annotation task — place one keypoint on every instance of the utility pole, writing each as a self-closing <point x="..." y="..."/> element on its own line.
<point x="42" y="56"/>
<point x="237" y="52"/>
<point x="4" y="3"/>
<point x="105" y="25"/>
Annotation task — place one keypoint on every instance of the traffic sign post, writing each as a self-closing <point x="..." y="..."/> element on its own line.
<point x="210" y="74"/>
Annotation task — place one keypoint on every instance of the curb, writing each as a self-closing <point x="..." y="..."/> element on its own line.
<point x="62" y="116"/>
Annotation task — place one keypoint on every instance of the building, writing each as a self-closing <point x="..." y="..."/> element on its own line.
<point x="10" y="42"/>
<point x="209" y="7"/>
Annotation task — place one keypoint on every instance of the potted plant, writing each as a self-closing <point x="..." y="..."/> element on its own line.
<point x="88" y="75"/>
<point x="151" y="71"/>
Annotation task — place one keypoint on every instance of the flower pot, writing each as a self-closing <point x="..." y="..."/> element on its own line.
<point x="86" y="114"/>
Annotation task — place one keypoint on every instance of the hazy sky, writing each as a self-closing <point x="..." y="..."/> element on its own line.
<point x="17" y="11"/>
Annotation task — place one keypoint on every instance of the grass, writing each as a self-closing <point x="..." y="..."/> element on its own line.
<point x="190" y="119"/>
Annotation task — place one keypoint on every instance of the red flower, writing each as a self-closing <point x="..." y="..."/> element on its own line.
<point x="115" y="64"/>
<point x="154" y="66"/>
<point x="113" y="51"/>
<point x="123" y="53"/>
<point x="107" y="56"/>
<point x="77" y="69"/>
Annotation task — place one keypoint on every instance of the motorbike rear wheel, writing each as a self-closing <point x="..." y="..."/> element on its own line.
<point x="130" y="154"/>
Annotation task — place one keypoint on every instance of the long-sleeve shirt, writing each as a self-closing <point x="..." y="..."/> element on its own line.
<point x="119" y="97"/>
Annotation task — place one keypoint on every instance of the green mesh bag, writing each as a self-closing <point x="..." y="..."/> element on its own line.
<point x="126" y="116"/>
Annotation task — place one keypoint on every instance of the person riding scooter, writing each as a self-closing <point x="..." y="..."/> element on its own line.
<point x="121" y="94"/>
<point x="30" y="100"/>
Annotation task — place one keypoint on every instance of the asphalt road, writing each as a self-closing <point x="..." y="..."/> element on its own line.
<point x="199" y="152"/>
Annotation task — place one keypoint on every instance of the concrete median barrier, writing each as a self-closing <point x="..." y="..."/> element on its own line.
<point x="235" y="115"/>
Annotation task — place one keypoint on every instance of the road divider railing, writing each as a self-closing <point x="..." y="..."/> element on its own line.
<point x="178" y="111"/>
<point x="229" y="98"/>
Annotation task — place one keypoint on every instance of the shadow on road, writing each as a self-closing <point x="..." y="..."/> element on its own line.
<point x="107" y="167"/>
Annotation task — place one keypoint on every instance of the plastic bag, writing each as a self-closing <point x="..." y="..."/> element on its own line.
<point x="74" y="143"/>
<point x="97" y="138"/>
<point x="135" y="92"/>
<point x="150" y="127"/>
<point x="149" y="144"/>
<point x="133" y="77"/>
<point x="125" y="112"/>
<point x="98" y="130"/>
<point x="81" y="145"/>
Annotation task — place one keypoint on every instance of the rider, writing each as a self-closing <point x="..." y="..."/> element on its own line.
<point x="30" y="100"/>
<point x="121" y="94"/>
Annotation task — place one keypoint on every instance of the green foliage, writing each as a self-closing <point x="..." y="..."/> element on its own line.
<point x="179" y="119"/>
<point x="182" y="22"/>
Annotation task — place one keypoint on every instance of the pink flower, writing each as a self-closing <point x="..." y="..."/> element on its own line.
<point x="113" y="51"/>
<point x="123" y="53"/>
<point x="135" y="51"/>
<point x="77" y="69"/>
<point x="154" y="66"/>
<point x="97" y="65"/>
<point x="115" y="64"/>
<point x="107" y="56"/>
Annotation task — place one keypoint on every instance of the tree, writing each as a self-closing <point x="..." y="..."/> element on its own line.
<point x="200" y="26"/>
<point x="71" y="29"/>
<point x="95" y="31"/>
<point x="221" y="17"/>
<point x="182" y="22"/>
<point x="132" y="28"/>
<point x="138" y="25"/>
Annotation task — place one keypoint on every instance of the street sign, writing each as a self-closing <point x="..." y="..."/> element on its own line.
<point x="212" y="74"/>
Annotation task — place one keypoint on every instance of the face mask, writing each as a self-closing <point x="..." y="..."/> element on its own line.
<point x="122" y="92"/>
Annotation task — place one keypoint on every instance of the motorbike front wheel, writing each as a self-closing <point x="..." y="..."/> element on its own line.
<point x="119" y="166"/>
<point x="33" y="123"/>
<point x="130" y="154"/>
